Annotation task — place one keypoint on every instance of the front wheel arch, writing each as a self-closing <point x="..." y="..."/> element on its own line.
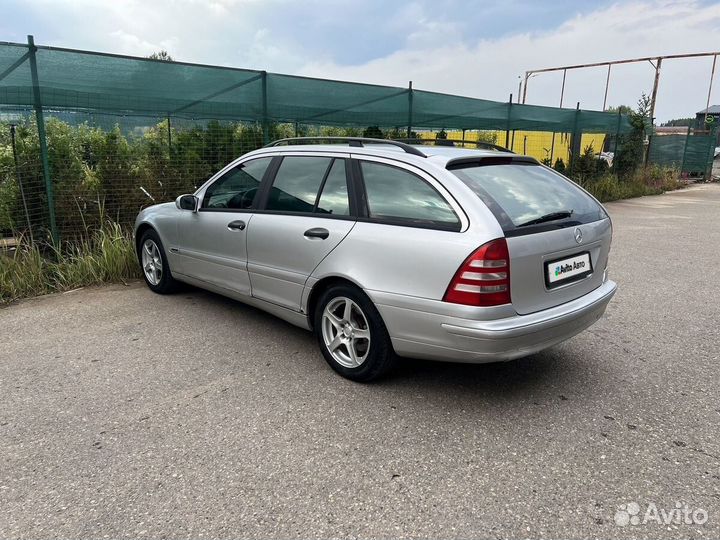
<point x="141" y="230"/>
<point x="167" y="283"/>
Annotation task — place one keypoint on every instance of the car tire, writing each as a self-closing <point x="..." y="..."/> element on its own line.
<point x="352" y="335"/>
<point x="154" y="264"/>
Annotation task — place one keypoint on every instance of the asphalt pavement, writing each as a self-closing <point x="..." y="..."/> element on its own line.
<point x="127" y="414"/>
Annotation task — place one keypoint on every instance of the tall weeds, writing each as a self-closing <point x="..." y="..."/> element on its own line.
<point x="652" y="180"/>
<point x="106" y="255"/>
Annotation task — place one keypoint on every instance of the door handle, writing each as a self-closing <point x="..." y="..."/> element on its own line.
<point x="237" y="225"/>
<point x="317" y="232"/>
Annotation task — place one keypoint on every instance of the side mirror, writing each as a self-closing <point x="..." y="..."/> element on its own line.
<point x="187" y="202"/>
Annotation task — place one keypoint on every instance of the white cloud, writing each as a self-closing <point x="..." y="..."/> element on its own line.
<point x="489" y="68"/>
<point x="127" y="43"/>
<point x="423" y="41"/>
<point x="222" y="32"/>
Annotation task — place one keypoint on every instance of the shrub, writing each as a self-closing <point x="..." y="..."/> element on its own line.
<point x="611" y="188"/>
<point x="660" y="178"/>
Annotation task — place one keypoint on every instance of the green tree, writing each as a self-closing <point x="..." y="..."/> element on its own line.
<point x="161" y="55"/>
<point x="119" y="187"/>
<point x="487" y="136"/>
<point x="632" y="145"/>
<point x="622" y="109"/>
<point x="401" y="133"/>
<point x="373" y="132"/>
<point x="679" y="122"/>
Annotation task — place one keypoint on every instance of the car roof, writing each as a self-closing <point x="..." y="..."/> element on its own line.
<point x="438" y="155"/>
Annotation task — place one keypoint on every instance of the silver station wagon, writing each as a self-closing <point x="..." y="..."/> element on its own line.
<point x="386" y="249"/>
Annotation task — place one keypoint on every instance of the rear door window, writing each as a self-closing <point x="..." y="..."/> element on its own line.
<point x="525" y="195"/>
<point x="297" y="184"/>
<point x="312" y="185"/>
<point x="398" y="196"/>
<point x="333" y="199"/>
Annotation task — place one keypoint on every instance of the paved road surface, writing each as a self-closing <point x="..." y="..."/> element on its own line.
<point x="127" y="414"/>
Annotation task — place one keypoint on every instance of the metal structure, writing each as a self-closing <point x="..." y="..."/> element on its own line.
<point x="655" y="62"/>
<point x="42" y="137"/>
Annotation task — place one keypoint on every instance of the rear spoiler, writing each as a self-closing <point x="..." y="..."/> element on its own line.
<point x="479" y="161"/>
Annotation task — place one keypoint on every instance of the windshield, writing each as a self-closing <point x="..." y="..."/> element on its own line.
<point x="524" y="193"/>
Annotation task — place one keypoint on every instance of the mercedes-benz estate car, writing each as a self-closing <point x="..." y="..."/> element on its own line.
<point x="386" y="249"/>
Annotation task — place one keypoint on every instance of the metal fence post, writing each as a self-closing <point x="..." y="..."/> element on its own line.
<point x="710" y="154"/>
<point x="687" y="140"/>
<point x="617" y="135"/>
<point x="42" y="139"/>
<point x="410" y="109"/>
<point x="265" y="126"/>
<point x="169" y="137"/>
<point x="576" y="142"/>
<point x="507" y="131"/>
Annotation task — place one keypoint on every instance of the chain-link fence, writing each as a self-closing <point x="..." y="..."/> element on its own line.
<point x="86" y="137"/>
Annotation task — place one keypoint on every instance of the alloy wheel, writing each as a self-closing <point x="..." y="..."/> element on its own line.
<point x="346" y="332"/>
<point x="152" y="262"/>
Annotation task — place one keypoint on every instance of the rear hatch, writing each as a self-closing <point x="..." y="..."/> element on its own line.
<point x="558" y="236"/>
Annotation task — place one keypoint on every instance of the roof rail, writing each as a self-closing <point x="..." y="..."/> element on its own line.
<point x="454" y="143"/>
<point x="352" y="141"/>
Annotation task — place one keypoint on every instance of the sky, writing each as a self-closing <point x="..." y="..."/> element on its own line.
<point x="477" y="49"/>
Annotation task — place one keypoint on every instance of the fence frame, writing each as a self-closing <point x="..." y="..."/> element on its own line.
<point x="267" y="107"/>
<point x="43" y="139"/>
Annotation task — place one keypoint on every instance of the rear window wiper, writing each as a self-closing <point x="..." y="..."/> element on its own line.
<point x="552" y="216"/>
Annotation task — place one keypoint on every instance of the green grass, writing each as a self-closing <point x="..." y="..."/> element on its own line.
<point x="652" y="180"/>
<point x="105" y="256"/>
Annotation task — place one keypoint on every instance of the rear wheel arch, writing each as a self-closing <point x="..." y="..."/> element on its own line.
<point x="320" y="287"/>
<point x="351" y="332"/>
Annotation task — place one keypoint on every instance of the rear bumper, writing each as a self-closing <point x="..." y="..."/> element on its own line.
<point x="424" y="332"/>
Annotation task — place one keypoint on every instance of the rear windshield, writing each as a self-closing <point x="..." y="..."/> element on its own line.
<point x="522" y="193"/>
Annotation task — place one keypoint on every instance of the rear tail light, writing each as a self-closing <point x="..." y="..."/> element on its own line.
<point x="484" y="278"/>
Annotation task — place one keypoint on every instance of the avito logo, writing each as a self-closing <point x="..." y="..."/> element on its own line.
<point x="564" y="268"/>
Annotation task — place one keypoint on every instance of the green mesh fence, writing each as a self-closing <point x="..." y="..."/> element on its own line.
<point x="668" y="150"/>
<point x="690" y="153"/>
<point x="698" y="154"/>
<point x="101" y="82"/>
<point x="124" y="132"/>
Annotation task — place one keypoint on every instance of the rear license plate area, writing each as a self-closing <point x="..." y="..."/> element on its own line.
<point x="568" y="269"/>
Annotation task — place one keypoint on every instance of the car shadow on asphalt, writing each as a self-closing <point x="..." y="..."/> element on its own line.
<point x="549" y="370"/>
<point x="553" y="370"/>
